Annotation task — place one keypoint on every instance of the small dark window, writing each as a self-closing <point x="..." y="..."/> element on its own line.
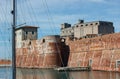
<point x="81" y="25"/>
<point x="77" y="26"/>
<point x="43" y="40"/>
<point x="96" y="23"/>
<point x="86" y="25"/>
<point x="32" y="32"/>
<point x="29" y="42"/>
<point x="91" y="24"/>
<point x="117" y="63"/>
<point x="26" y="32"/>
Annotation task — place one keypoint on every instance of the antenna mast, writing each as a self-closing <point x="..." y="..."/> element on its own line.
<point x="13" y="41"/>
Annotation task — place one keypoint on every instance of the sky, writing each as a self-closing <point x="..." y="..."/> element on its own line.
<point x="48" y="15"/>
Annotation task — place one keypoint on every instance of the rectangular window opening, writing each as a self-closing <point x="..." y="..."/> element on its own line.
<point x="26" y="32"/>
<point x="117" y="63"/>
<point x="32" y="32"/>
<point x="90" y="62"/>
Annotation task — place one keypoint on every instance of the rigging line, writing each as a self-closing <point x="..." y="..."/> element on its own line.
<point x="56" y="44"/>
<point x="31" y="16"/>
<point x="49" y="18"/>
<point x="50" y="15"/>
<point x="5" y="17"/>
<point x="26" y="14"/>
<point x="59" y="53"/>
<point x="7" y="7"/>
<point x="5" y="13"/>
<point x="30" y="12"/>
<point x="9" y="32"/>
<point x="34" y="15"/>
<point x="22" y="13"/>
<point x="44" y="33"/>
<point x="67" y="16"/>
<point x="56" y="40"/>
<point x="5" y="56"/>
<point x="2" y="38"/>
<point x="5" y="25"/>
<point x="42" y="5"/>
<point x="6" y="46"/>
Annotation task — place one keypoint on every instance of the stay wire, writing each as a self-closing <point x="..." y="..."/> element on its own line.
<point x="27" y="13"/>
<point x="35" y="16"/>
<point x="58" y="46"/>
<point x="48" y="15"/>
<point x="21" y="14"/>
<point x="5" y="24"/>
<point x="9" y="35"/>
<point x="30" y="13"/>
<point x="51" y="17"/>
<point x="4" y="36"/>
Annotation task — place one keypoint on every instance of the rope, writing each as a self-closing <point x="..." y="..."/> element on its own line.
<point x="4" y="33"/>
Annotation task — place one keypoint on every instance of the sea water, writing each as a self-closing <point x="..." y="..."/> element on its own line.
<point x="23" y="73"/>
<point x="5" y="73"/>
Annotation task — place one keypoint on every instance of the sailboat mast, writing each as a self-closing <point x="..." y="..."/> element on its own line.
<point x="13" y="41"/>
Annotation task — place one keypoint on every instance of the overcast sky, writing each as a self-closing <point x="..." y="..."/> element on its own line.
<point x="50" y="14"/>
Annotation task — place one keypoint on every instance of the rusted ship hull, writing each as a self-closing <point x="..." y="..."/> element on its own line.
<point x="101" y="53"/>
<point x="44" y="53"/>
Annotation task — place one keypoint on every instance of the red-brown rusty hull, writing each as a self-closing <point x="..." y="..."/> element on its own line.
<point x="44" y="53"/>
<point x="38" y="61"/>
<point x="101" y="53"/>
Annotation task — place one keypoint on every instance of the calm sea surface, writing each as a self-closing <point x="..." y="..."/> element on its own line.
<point x="5" y="73"/>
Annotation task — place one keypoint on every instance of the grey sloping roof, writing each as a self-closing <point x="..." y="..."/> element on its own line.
<point x="26" y="27"/>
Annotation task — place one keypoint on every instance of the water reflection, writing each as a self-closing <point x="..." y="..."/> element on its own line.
<point x="52" y="74"/>
<point x="5" y="73"/>
<point x="41" y="74"/>
<point x="94" y="75"/>
<point x="36" y="74"/>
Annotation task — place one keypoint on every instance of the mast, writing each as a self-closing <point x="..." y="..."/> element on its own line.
<point x="13" y="41"/>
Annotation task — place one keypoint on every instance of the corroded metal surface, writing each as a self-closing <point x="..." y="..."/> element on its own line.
<point x="43" y="53"/>
<point x="101" y="53"/>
